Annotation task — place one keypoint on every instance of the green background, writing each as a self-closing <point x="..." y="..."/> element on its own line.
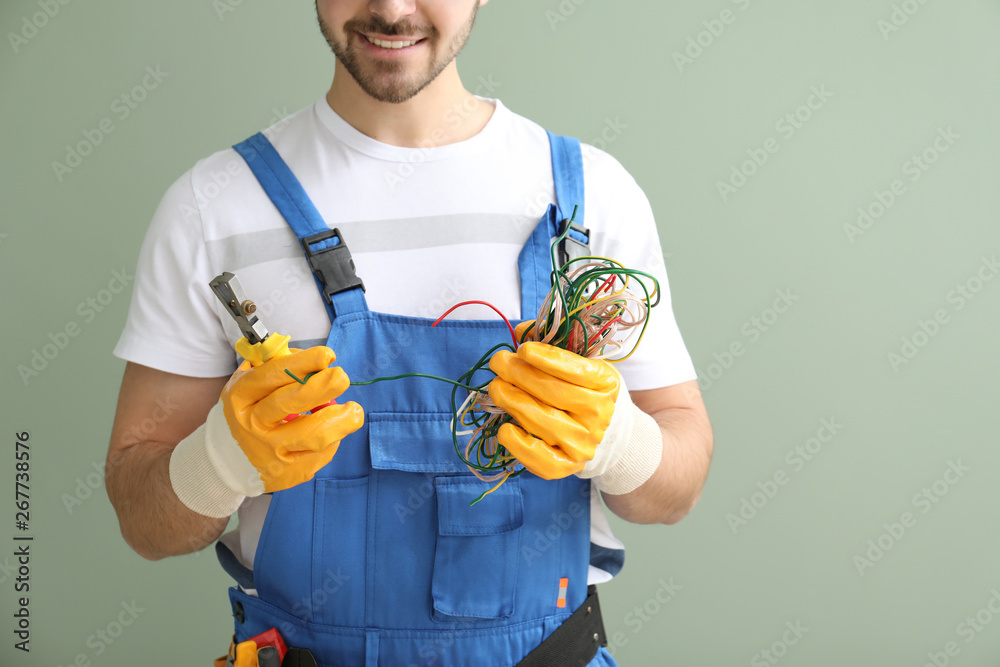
<point x="574" y="67"/>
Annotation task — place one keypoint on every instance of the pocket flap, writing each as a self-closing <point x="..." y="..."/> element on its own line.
<point x="414" y="442"/>
<point x="499" y="512"/>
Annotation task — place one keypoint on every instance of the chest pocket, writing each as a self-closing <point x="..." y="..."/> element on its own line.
<point x="414" y="442"/>
<point x="474" y="569"/>
<point x="475" y="561"/>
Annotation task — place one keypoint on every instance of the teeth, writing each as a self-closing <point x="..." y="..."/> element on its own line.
<point x="390" y="45"/>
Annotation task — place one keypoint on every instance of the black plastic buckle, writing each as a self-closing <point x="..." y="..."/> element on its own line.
<point x="571" y="248"/>
<point x="333" y="266"/>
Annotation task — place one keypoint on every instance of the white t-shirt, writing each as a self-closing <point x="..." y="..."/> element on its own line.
<point x="427" y="228"/>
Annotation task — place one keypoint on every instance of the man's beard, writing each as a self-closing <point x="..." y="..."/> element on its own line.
<point x="384" y="80"/>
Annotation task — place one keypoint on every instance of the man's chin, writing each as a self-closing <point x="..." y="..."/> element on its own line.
<point x="390" y="94"/>
<point x="386" y="84"/>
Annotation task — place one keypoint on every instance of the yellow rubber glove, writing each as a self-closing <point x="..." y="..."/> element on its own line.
<point x="577" y="415"/>
<point x="245" y="449"/>
<point x="256" y="400"/>
<point x="563" y="401"/>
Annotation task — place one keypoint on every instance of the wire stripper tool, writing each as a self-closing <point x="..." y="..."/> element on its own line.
<point x="257" y="344"/>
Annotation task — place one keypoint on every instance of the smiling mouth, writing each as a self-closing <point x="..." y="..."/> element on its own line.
<point x="391" y="44"/>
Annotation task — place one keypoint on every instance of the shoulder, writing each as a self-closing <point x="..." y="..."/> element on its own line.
<point x="219" y="193"/>
<point x="605" y="178"/>
<point x="597" y="162"/>
<point x="603" y="173"/>
<point x="212" y="175"/>
<point x="617" y="207"/>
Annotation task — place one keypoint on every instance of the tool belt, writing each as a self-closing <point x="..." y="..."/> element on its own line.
<point x="573" y="644"/>
<point x="576" y="641"/>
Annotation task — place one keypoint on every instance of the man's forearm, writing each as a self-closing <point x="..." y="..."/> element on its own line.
<point x="675" y="487"/>
<point x="153" y="521"/>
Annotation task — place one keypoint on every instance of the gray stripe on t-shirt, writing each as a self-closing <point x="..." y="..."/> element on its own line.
<point x="306" y="344"/>
<point x="241" y="250"/>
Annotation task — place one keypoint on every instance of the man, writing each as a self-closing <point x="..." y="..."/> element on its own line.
<point x="356" y="537"/>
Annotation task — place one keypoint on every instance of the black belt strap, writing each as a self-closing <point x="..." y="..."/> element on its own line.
<point x="575" y="642"/>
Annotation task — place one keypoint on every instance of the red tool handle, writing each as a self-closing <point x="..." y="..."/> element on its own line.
<point x="271" y="638"/>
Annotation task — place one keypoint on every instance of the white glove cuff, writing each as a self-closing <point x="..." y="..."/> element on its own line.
<point x="209" y="471"/>
<point x="630" y="451"/>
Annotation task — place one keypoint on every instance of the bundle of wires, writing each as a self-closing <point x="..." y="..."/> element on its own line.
<point x="594" y="309"/>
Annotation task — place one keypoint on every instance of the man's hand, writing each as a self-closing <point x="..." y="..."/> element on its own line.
<point x="563" y="401"/>
<point x="245" y="449"/>
<point x="577" y="418"/>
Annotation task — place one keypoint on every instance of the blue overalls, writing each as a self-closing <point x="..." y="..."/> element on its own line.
<point x="380" y="559"/>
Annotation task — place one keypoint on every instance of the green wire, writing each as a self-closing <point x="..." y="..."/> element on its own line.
<point x="298" y="380"/>
<point x="391" y="377"/>
<point x="413" y="375"/>
<point x="558" y="273"/>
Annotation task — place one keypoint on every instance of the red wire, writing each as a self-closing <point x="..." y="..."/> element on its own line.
<point x="608" y="324"/>
<point x="482" y="303"/>
<point x="605" y="285"/>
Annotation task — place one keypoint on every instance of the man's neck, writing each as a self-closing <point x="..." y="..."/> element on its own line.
<point x="442" y="113"/>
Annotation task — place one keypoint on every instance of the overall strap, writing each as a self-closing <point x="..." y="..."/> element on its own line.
<point x="325" y="249"/>
<point x="534" y="263"/>
<point x="567" y="171"/>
